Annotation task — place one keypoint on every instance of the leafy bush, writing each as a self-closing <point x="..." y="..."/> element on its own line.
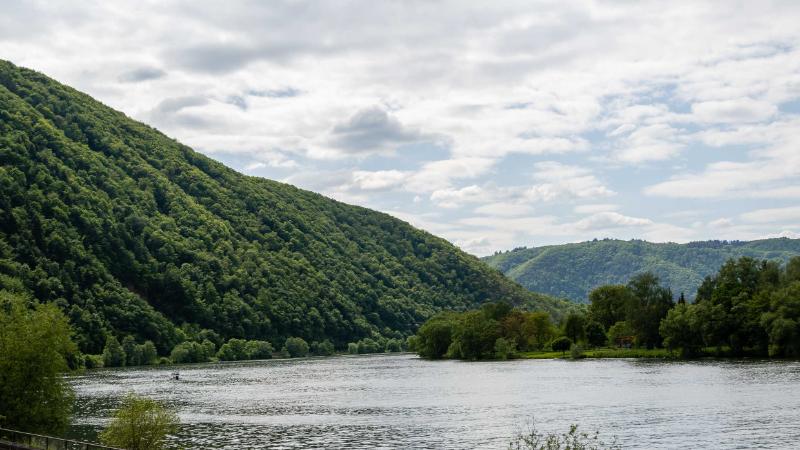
<point x="595" y="334"/>
<point x="504" y="349"/>
<point x="324" y="348"/>
<point x="140" y="424"/>
<point x="411" y="343"/>
<point x="576" y="351"/>
<point x="368" y="345"/>
<point x="258" y="350"/>
<point x="571" y="440"/>
<point x="561" y="344"/>
<point x="113" y="354"/>
<point x="192" y="352"/>
<point x="35" y="345"/>
<point x="93" y="361"/>
<point x="233" y="350"/>
<point x="394" y="345"/>
<point x="295" y="347"/>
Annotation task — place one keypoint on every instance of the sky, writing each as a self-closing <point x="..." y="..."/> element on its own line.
<point x="491" y="124"/>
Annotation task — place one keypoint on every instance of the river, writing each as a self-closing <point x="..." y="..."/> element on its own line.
<point x="401" y="401"/>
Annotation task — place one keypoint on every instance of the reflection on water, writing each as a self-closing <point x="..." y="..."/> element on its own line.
<point x="401" y="401"/>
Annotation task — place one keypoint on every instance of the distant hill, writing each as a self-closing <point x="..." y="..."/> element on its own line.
<point x="131" y="232"/>
<point x="573" y="270"/>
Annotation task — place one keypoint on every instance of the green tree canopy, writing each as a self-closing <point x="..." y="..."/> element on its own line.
<point x="609" y="304"/>
<point x="595" y="333"/>
<point x="651" y="304"/>
<point x="113" y="353"/>
<point x="35" y="345"/>
<point x="682" y="329"/>
<point x="140" y="424"/>
<point x="296" y="347"/>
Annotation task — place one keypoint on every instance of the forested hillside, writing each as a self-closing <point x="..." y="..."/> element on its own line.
<point x="132" y="233"/>
<point x="573" y="270"/>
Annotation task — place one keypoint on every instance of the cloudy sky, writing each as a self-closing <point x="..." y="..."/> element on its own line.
<point x="492" y="124"/>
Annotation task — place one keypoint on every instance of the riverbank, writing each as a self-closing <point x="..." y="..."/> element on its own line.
<point x="659" y="353"/>
<point x="654" y="353"/>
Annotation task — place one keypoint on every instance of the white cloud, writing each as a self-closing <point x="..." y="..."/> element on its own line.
<point x="595" y="208"/>
<point x="656" y="142"/>
<point x="564" y="181"/>
<point x="722" y="222"/>
<point x="504" y="209"/>
<point x="453" y="198"/>
<point x="606" y="220"/>
<point x="439" y="174"/>
<point x="772" y="215"/>
<point x="733" y="111"/>
<point x="378" y="180"/>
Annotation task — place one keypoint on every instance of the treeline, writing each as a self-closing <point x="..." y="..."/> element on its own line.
<point x="749" y="307"/>
<point x="495" y="331"/>
<point x="207" y="346"/>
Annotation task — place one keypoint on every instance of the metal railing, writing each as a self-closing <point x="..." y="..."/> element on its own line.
<point x="21" y="440"/>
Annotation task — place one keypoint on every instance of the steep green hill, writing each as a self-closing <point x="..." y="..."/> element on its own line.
<point x="131" y="232"/>
<point x="573" y="270"/>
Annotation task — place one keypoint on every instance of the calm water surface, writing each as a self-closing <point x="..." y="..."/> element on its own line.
<point x="400" y="401"/>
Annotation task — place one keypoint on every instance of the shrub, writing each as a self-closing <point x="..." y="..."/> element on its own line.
<point x="411" y="343"/>
<point x="368" y="345"/>
<point x="504" y="348"/>
<point x="140" y="424"/>
<point x="258" y="350"/>
<point x="561" y="344"/>
<point x="192" y="352"/>
<point x="295" y="347"/>
<point x="93" y="361"/>
<point x="572" y="440"/>
<point x="113" y="354"/>
<point x="352" y="348"/>
<point x="595" y="334"/>
<point x="394" y="345"/>
<point x="233" y="350"/>
<point x="149" y="355"/>
<point x="132" y="357"/>
<point x="324" y="348"/>
<point x="576" y="352"/>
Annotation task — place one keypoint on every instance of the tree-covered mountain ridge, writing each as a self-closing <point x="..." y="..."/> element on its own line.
<point x="573" y="270"/>
<point x="132" y="233"/>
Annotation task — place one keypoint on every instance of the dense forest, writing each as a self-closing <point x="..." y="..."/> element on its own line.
<point x="139" y="238"/>
<point x="748" y="308"/>
<point x="573" y="270"/>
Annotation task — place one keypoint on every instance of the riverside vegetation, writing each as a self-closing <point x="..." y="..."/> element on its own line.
<point x="573" y="270"/>
<point x="748" y="308"/>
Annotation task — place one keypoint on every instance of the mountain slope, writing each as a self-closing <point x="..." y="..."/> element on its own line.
<point x="573" y="270"/>
<point x="133" y="233"/>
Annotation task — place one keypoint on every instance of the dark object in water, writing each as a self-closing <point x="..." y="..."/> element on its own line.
<point x="176" y="376"/>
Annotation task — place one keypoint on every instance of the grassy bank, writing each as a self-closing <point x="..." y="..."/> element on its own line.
<point x="605" y="353"/>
